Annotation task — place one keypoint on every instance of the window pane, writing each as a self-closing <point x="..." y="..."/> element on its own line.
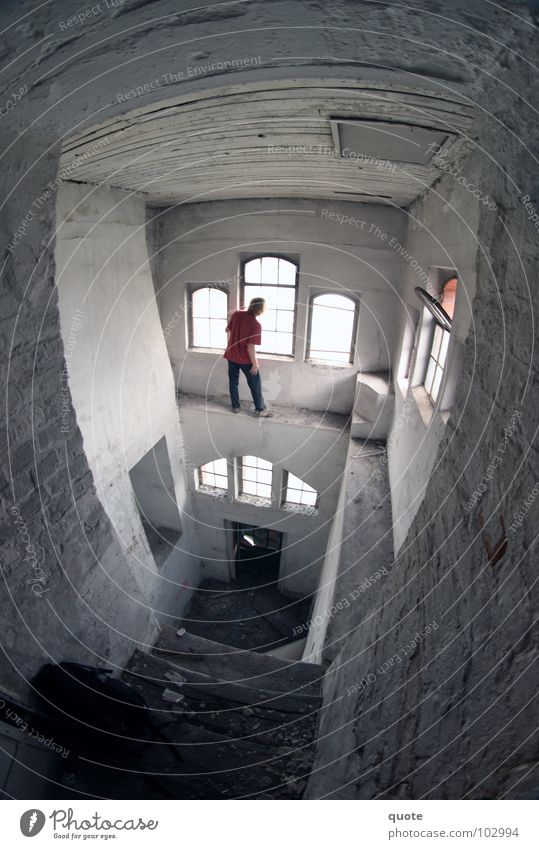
<point x="218" y="303"/>
<point x="214" y="474"/>
<point x="277" y="329"/>
<point x="336" y="302"/>
<point x="437" y="383"/>
<point x="437" y="341"/>
<point x="268" y="320"/>
<point x="256" y="476"/>
<point x="209" y="311"/>
<point x="271" y="295"/>
<point x="287" y="273"/>
<point x="270" y="270"/>
<point x="269" y="342"/>
<point x="201" y="303"/>
<point x="443" y="350"/>
<point x="285" y="298"/>
<point x="201" y="332"/>
<point x="299" y="492"/>
<point x="332" y="325"/>
<point x="252" y="292"/>
<point x="430" y="375"/>
<point x="217" y="333"/>
<point x="252" y="271"/>
<point x="220" y="467"/>
<point x="285" y="321"/>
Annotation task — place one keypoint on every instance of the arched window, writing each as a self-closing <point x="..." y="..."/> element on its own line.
<point x="256" y="476"/>
<point x="213" y="474"/>
<point x="299" y="492"/>
<point x="440" y="342"/>
<point x="332" y="329"/>
<point x="209" y="309"/>
<point x="275" y="279"/>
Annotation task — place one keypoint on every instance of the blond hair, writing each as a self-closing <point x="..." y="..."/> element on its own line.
<point x="256" y="306"/>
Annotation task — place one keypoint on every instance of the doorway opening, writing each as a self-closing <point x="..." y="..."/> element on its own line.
<point x="257" y="552"/>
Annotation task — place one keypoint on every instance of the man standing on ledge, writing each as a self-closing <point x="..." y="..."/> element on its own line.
<point x="244" y="332"/>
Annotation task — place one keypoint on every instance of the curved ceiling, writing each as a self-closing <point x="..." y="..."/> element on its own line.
<point x="275" y="139"/>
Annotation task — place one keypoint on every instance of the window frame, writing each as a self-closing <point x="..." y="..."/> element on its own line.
<point x="206" y="487"/>
<point x="191" y="289"/>
<point x="422" y="353"/>
<point x="294" y="259"/>
<point x="294" y="504"/>
<point x="241" y="493"/>
<point x="437" y="364"/>
<point x="316" y="293"/>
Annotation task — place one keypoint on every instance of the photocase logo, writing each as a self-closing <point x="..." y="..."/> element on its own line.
<point x="32" y="822"/>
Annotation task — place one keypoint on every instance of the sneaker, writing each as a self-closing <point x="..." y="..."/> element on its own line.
<point x="236" y="409"/>
<point x="264" y="414"/>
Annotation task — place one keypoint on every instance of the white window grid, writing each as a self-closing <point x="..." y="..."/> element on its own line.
<point x="209" y="316"/>
<point x="214" y="474"/>
<point x="275" y="280"/>
<point x="256" y="476"/>
<point x="436" y="363"/>
<point x="299" y="492"/>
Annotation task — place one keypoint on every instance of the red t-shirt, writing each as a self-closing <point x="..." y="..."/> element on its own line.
<point x="244" y="330"/>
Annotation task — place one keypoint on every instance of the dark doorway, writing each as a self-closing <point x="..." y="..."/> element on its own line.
<point x="257" y="551"/>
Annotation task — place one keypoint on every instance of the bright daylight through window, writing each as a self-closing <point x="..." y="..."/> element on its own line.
<point x="214" y="474"/>
<point x="209" y="317"/>
<point x="299" y="492"/>
<point x="333" y="319"/>
<point x="256" y="477"/>
<point x="274" y="279"/>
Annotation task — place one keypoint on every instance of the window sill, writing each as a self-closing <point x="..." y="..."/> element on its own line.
<point x="217" y="352"/>
<point x="213" y="492"/>
<point x="424" y="405"/>
<point x="301" y="509"/>
<point x="329" y="365"/>
<point x="282" y="358"/>
<point x="254" y="500"/>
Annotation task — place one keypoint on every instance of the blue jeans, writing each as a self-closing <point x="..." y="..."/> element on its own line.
<point x="254" y="383"/>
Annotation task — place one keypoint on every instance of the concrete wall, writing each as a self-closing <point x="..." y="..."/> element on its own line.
<point x="436" y="696"/>
<point x="455" y="718"/>
<point x="317" y="456"/>
<point x="119" y="373"/>
<point x="69" y="591"/>
<point x="442" y="232"/>
<point x="203" y="243"/>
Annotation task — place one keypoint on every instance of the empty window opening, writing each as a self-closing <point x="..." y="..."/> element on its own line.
<point x="256" y="477"/>
<point x="213" y="475"/>
<point x="300" y="493"/>
<point x="257" y="551"/>
<point x="274" y="279"/>
<point x="153" y="488"/>
<point x="333" y="325"/>
<point x="209" y="311"/>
